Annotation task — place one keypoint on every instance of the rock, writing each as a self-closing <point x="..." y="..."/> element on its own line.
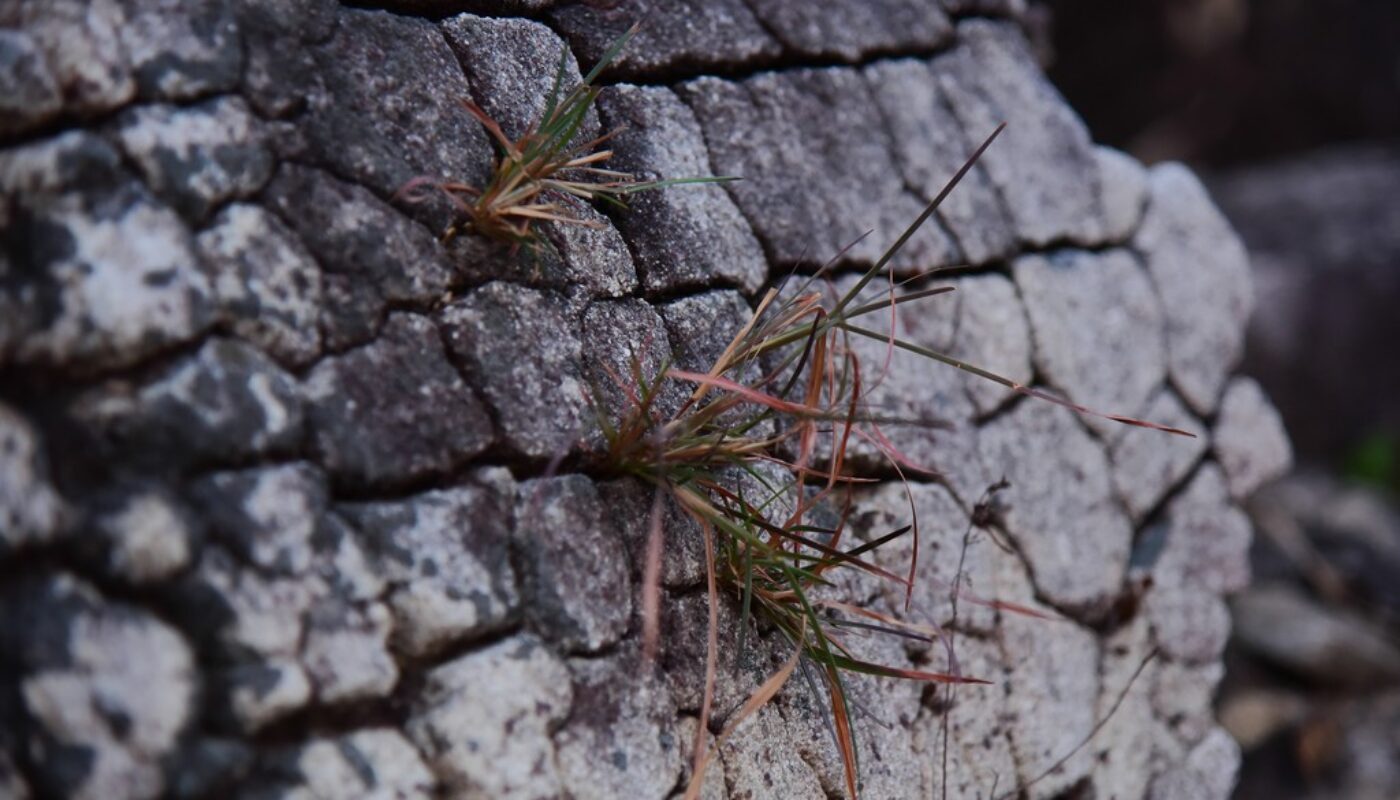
<point x="260" y="693"/>
<point x="196" y="158"/>
<point x="29" y="94"/>
<point x="424" y="420"/>
<point x="1329" y="647"/>
<point x="1059" y="483"/>
<point x="280" y="73"/>
<point x="1183" y="695"/>
<point x="266" y="282"/>
<point x="1188" y="623"/>
<point x="180" y="51"/>
<point x="92" y="230"/>
<point x="684" y="635"/>
<point x="31" y="512"/>
<point x="100" y="721"/>
<point x="13" y="785"/>
<point x="1250" y="441"/>
<point x="593" y="254"/>
<point x="205" y="763"/>
<point x="269" y="516"/>
<point x="623" y="339"/>
<point x="993" y="334"/>
<point x="850" y="30"/>
<point x="1206" y="540"/>
<point x="1122" y="193"/>
<point x="376" y="763"/>
<point x="1201" y="274"/>
<point x="1096" y="325"/>
<point x="1042" y="164"/>
<point x="1133" y="745"/>
<point x="680" y="34"/>
<point x="1147" y="465"/>
<point x="483" y="720"/>
<point x="521" y="347"/>
<point x="712" y="784"/>
<point x="346" y="653"/>
<point x="82" y="44"/>
<point x="706" y="241"/>
<point x="146" y="535"/>
<point x="573" y="569"/>
<point x="370" y="256"/>
<point x="225" y="402"/>
<point x="630" y="504"/>
<point x="620" y="740"/>
<point x="444" y="556"/>
<point x="979" y="757"/>
<point x="773" y="128"/>
<point x="913" y="107"/>
<point x="755" y="765"/>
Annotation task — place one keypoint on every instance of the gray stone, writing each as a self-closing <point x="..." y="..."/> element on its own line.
<point x="851" y="30"/>
<point x="1122" y="193"/>
<point x="225" y="402"/>
<point x="13" y="785"/>
<point x="621" y="340"/>
<point x="1147" y="465"/>
<point x="29" y="94"/>
<point x="243" y="616"/>
<point x="1042" y="164"/>
<point x="779" y="131"/>
<point x="146" y="536"/>
<point x="979" y="762"/>
<point x="483" y="720"/>
<point x="346" y="654"/>
<point x="1202" y="277"/>
<point x="521" y="347"/>
<point x="1331" y="647"/>
<point x="758" y="765"/>
<point x="182" y="50"/>
<point x="370" y="256"/>
<point x="1250" y="441"/>
<point x="257" y="694"/>
<point x="712" y="783"/>
<point x="1183" y="696"/>
<point x="280" y="72"/>
<point x="1097" y="329"/>
<point x="930" y="147"/>
<point x="630" y="505"/>
<point x="195" y="158"/>
<point x="1132" y="745"/>
<point x="268" y="515"/>
<point x="620" y="740"/>
<point x="574" y="569"/>
<point x="592" y="255"/>
<point x="992" y="334"/>
<point x="266" y="283"/>
<point x="685" y="621"/>
<point x="1062" y="512"/>
<point x="81" y="41"/>
<point x="369" y="430"/>
<point x="1208" y="772"/>
<point x="1207" y="540"/>
<point x="1189" y="623"/>
<point x="684" y="237"/>
<point x="111" y="276"/>
<point x="703" y="325"/>
<point x="31" y="512"/>
<point x="679" y="35"/>
<point x="83" y="692"/>
<point x="376" y="763"/>
<point x="444" y="556"/>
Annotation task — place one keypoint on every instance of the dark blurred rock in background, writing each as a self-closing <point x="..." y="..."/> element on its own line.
<point x="1292" y="111"/>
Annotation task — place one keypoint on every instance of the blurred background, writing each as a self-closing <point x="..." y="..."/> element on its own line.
<point x="1290" y="109"/>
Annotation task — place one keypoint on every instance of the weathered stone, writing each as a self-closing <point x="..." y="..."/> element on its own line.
<point x="13" y="785"/>
<point x="1202" y="277"/>
<point x="1250" y="440"/>
<point x="680" y="35"/>
<point x="757" y="764"/>
<point x="346" y="654"/>
<point x="374" y="763"/>
<point x="257" y="694"/>
<point x="369" y="430"/>
<point x="930" y="147"/>
<point x="1042" y="164"/>
<point x="29" y="95"/>
<point x="101" y="719"/>
<point x="521" y="347"/>
<point x="979" y="757"/>
<point x="444" y="556"/>
<point x="685" y="237"/>
<point x="266" y="283"/>
<point x="1061" y="510"/>
<point x="620" y="740"/>
<point x="102" y="273"/>
<point x="621" y="339"/>
<point x="269" y="516"/>
<point x="712" y="783"/>
<point x="1183" y="696"/>
<point x="1122" y="193"/>
<point x="224" y="403"/>
<point x="993" y="334"/>
<point x="630" y="505"/>
<point x="280" y="74"/>
<point x="1329" y="646"/>
<point x="1208" y="772"/>
<point x="1189" y="623"/>
<point x="1206" y="545"/>
<point x="242" y="615"/>
<point x="703" y="325"/>
<point x="81" y="41"/>
<point x="381" y="122"/>
<point x="196" y="158"/>
<point x="685" y="623"/>
<point x="181" y="50"/>
<point x="31" y="512"/>
<point x="574" y="571"/>
<point x="370" y="256"/>
<point x="1097" y="329"/>
<point x="779" y="131"/>
<point x="1133" y="745"/>
<point x="851" y="29"/>
<point x="483" y="721"/>
<point x="1147" y="465"/>
<point x="145" y="536"/>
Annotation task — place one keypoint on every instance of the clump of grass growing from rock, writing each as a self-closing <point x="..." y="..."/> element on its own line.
<point x="786" y="398"/>
<point x="533" y="173"/>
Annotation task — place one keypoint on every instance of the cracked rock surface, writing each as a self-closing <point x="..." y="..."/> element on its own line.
<point x="296" y="500"/>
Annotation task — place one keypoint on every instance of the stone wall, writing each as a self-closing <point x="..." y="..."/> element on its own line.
<point x="276" y="513"/>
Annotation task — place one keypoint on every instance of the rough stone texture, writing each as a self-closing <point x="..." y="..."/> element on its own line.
<point x="297" y="500"/>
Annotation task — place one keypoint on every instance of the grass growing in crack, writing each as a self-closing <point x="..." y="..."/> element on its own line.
<point x="533" y="173"/>
<point x="787" y="392"/>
